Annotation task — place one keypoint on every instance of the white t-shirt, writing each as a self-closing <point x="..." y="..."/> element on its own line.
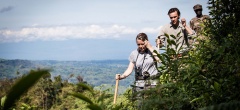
<point x="144" y="61"/>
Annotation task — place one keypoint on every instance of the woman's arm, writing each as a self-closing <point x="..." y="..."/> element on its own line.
<point x="127" y="72"/>
<point x="151" y="49"/>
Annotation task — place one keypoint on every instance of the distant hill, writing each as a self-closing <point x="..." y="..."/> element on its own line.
<point x="95" y="73"/>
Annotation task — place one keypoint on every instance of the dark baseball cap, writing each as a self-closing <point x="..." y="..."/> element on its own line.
<point x="197" y="6"/>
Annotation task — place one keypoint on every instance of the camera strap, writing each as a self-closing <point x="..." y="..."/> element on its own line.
<point x="145" y="54"/>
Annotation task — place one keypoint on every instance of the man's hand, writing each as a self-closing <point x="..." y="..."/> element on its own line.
<point x="183" y="21"/>
<point x="158" y="41"/>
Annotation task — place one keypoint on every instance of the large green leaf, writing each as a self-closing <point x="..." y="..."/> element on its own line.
<point x="178" y="33"/>
<point x="173" y="42"/>
<point x="22" y="86"/>
<point x="104" y="96"/>
<point x="94" y="107"/>
<point x="166" y="35"/>
<point x="3" y="101"/>
<point x="169" y="42"/>
<point x="196" y="99"/>
<point x="86" y="87"/>
<point x="82" y="97"/>
<point x="217" y="86"/>
<point x="173" y="36"/>
<point x="166" y="56"/>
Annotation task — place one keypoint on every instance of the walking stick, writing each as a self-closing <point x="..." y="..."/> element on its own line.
<point x="116" y="90"/>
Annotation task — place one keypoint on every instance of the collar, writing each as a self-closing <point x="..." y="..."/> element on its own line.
<point x="179" y="25"/>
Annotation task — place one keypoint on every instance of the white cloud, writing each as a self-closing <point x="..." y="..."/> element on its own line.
<point x="151" y="30"/>
<point x="70" y="32"/>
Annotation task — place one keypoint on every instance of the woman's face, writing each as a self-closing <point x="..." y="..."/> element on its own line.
<point x="141" y="45"/>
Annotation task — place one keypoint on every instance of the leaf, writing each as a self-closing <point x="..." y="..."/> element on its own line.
<point x="103" y="96"/>
<point x="117" y="107"/>
<point x="94" y="107"/>
<point x="173" y="42"/>
<point x="86" y="87"/>
<point x="162" y="60"/>
<point x="179" y="38"/>
<point x="178" y="33"/>
<point x="169" y="42"/>
<point x="3" y="100"/>
<point x="26" y="106"/>
<point x="167" y="57"/>
<point x="216" y="86"/>
<point x="82" y="97"/>
<point x="22" y="86"/>
<point x="196" y="99"/>
<point x="171" y="51"/>
<point x="166" y="35"/>
<point x="173" y="36"/>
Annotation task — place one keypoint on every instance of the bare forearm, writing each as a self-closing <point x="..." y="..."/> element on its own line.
<point x="189" y="30"/>
<point x="154" y="54"/>
<point x="125" y="74"/>
<point x="128" y="71"/>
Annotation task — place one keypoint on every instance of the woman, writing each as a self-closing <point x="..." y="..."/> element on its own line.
<point x="143" y="60"/>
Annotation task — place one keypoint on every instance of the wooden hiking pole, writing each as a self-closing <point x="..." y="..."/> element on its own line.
<point x="116" y="90"/>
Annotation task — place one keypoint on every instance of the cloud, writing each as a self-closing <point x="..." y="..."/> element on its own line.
<point x="151" y="30"/>
<point x="66" y="32"/>
<point x="5" y="9"/>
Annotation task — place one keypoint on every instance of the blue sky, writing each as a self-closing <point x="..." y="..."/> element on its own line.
<point x="82" y="29"/>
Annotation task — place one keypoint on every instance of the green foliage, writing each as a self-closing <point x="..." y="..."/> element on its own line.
<point x="205" y="77"/>
<point x="217" y="57"/>
<point x="5" y="85"/>
<point x="234" y="105"/>
<point x="209" y="74"/>
<point x="96" y="100"/>
<point x="28" y="107"/>
<point x="170" y="93"/>
<point x="82" y="97"/>
<point x="22" y="86"/>
<point x="52" y="94"/>
<point x="2" y="101"/>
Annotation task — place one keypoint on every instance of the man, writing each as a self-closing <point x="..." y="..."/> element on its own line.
<point x="197" y="21"/>
<point x="175" y="27"/>
<point x="158" y="42"/>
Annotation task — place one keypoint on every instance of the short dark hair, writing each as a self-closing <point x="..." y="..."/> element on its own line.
<point x="142" y="36"/>
<point x="173" y="10"/>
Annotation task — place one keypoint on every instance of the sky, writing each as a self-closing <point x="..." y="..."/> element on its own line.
<point x="79" y="30"/>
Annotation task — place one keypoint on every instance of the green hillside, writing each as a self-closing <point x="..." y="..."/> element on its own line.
<point x="95" y="73"/>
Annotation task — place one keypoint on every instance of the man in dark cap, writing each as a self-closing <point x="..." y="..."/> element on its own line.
<point x="197" y="22"/>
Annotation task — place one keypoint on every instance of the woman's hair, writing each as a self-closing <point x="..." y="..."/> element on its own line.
<point x="173" y="10"/>
<point x="142" y="36"/>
